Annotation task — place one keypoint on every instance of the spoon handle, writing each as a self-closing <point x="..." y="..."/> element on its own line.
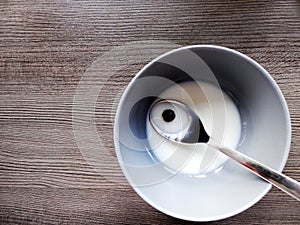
<point x="283" y="182"/>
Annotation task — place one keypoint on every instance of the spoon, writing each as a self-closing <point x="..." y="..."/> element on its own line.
<point x="194" y="132"/>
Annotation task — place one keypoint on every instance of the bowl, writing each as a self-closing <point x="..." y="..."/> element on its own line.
<point x="226" y="189"/>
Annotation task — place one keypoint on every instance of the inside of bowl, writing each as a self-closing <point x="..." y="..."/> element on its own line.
<point x="233" y="189"/>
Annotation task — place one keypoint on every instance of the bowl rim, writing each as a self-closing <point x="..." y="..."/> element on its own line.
<point x="282" y="101"/>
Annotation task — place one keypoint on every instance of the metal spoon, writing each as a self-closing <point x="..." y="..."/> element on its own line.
<point x="194" y="132"/>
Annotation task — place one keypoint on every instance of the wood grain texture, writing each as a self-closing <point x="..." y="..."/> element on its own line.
<point x="46" y="47"/>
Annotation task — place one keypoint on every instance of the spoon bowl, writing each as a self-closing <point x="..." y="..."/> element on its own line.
<point x="177" y="122"/>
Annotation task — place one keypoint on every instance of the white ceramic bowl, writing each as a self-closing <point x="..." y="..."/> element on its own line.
<point x="265" y="137"/>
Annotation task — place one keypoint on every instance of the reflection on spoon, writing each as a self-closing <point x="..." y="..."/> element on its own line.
<point x="182" y="125"/>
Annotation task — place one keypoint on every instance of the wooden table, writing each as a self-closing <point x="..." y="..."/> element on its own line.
<point x="47" y="47"/>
